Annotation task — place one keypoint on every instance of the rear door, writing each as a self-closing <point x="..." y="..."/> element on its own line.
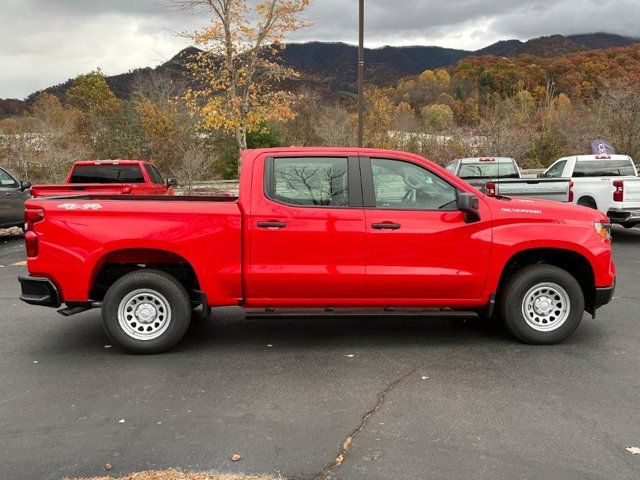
<point x="11" y="200"/>
<point x="419" y="248"/>
<point x="306" y="231"/>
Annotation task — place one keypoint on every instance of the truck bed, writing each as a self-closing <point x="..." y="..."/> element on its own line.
<point x="557" y="189"/>
<point x="116" y="229"/>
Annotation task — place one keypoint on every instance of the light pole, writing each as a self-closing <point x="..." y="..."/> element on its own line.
<point x="361" y="78"/>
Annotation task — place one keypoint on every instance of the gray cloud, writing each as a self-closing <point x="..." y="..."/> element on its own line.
<point x="47" y="41"/>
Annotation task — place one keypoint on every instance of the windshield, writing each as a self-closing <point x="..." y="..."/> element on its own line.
<point x="107" y="174"/>
<point x="488" y="170"/>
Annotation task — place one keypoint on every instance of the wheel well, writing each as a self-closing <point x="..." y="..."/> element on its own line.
<point x="119" y="263"/>
<point x="568" y="260"/>
<point x="588" y="200"/>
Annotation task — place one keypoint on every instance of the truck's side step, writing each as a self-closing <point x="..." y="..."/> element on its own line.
<point x="330" y="312"/>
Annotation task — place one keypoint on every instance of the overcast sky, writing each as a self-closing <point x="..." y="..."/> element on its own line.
<point x="44" y="42"/>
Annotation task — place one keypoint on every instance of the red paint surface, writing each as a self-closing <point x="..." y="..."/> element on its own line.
<point x="324" y="256"/>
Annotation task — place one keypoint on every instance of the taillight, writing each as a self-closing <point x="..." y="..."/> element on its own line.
<point x="618" y="193"/>
<point x="491" y="189"/>
<point x="570" y="192"/>
<point x="31" y="242"/>
<point x="31" y="217"/>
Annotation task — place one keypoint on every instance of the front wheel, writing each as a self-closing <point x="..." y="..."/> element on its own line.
<point x="146" y="311"/>
<point x="542" y="304"/>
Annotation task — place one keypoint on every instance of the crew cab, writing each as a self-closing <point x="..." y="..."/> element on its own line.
<point x="135" y="177"/>
<point x="608" y="183"/>
<point x="319" y="228"/>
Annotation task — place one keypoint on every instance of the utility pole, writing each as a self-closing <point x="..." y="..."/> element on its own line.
<point x="361" y="78"/>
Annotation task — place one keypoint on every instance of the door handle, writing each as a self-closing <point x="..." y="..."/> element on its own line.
<point x="386" y="226"/>
<point x="271" y="224"/>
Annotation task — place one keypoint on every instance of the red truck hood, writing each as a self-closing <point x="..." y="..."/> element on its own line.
<point x="543" y="210"/>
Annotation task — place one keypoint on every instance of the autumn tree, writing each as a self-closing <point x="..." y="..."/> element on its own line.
<point x="43" y="145"/>
<point x="237" y="74"/>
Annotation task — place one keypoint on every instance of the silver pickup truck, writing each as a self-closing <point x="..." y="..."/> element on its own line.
<point x="502" y="176"/>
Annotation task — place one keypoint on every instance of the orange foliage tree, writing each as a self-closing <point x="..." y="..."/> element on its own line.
<point x="237" y="73"/>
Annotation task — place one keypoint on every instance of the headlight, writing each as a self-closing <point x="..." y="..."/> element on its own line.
<point x="603" y="229"/>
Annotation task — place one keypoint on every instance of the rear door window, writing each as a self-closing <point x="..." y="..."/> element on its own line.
<point x="154" y="174"/>
<point x="310" y="182"/>
<point x="107" y="174"/>
<point x="556" y="170"/>
<point x="604" y="168"/>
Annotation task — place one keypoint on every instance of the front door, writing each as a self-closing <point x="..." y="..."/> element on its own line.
<point x="306" y="232"/>
<point x="420" y="250"/>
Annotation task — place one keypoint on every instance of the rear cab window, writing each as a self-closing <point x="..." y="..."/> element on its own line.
<point x="308" y="181"/>
<point x="604" y="168"/>
<point x="106" y="173"/>
<point x="488" y="169"/>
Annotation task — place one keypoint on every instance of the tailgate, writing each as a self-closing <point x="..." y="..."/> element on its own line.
<point x="631" y="195"/>
<point x="557" y="189"/>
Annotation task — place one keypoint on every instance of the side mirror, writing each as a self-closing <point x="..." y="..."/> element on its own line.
<point x="469" y="204"/>
<point x="172" y="182"/>
<point x="541" y="175"/>
<point x="25" y="186"/>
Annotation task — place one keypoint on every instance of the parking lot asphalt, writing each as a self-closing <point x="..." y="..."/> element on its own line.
<point x="400" y="398"/>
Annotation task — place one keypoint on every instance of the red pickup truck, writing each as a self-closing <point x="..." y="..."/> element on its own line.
<point x="319" y="228"/>
<point x="114" y="177"/>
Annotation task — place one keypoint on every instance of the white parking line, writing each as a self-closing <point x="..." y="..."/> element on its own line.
<point x="19" y="264"/>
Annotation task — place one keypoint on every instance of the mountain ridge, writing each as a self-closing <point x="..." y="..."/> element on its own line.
<point x="334" y="63"/>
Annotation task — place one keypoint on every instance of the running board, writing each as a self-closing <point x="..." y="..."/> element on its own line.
<point x="364" y="314"/>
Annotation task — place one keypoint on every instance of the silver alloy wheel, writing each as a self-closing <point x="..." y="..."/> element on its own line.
<point x="546" y="307"/>
<point x="144" y="314"/>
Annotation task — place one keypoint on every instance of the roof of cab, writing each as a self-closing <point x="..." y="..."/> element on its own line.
<point x="486" y="159"/>
<point x="586" y="158"/>
<point x="111" y="162"/>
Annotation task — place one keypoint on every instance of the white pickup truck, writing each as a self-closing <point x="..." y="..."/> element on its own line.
<point x="608" y="183"/>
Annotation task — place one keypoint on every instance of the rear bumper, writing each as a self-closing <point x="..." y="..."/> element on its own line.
<point x="624" y="216"/>
<point x="39" y="291"/>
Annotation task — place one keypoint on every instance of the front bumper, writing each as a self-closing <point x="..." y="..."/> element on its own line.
<point x="624" y="216"/>
<point x="604" y="295"/>
<point x="39" y="291"/>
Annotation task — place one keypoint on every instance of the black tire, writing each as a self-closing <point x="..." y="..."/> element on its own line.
<point x="588" y="202"/>
<point x="525" y="283"/>
<point x="152" y="291"/>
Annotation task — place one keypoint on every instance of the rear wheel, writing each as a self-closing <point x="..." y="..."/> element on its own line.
<point x="542" y="304"/>
<point x="146" y="311"/>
